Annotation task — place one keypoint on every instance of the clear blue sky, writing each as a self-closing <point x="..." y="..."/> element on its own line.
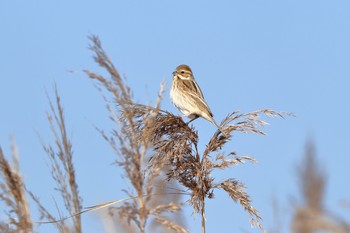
<point x="288" y="55"/>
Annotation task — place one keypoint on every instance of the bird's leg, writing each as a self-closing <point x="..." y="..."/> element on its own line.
<point x="192" y="119"/>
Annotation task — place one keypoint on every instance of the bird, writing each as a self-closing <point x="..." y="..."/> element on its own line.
<point x="187" y="96"/>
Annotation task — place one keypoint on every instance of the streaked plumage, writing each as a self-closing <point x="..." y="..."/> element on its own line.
<point x="187" y="96"/>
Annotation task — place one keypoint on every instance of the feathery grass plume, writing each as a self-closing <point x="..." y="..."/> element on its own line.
<point x="162" y="208"/>
<point x="12" y="193"/>
<point x="62" y="170"/>
<point x="132" y="149"/>
<point x="311" y="216"/>
<point x="165" y="206"/>
<point x="175" y="146"/>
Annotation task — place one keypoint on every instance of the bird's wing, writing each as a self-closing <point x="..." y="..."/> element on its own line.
<point x="196" y="93"/>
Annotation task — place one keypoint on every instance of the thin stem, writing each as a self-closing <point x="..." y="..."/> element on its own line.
<point x="203" y="186"/>
<point x="141" y="215"/>
<point x="203" y="215"/>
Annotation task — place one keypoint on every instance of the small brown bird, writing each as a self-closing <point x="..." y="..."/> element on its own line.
<point x="188" y="97"/>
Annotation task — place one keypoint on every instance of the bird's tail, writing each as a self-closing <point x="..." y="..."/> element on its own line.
<point x="218" y="126"/>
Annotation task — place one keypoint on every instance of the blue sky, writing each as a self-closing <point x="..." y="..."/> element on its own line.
<point x="247" y="55"/>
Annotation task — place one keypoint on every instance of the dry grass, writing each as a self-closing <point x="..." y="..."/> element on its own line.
<point x="311" y="215"/>
<point x="13" y="191"/>
<point x="13" y="194"/>
<point x="159" y="155"/>
<point x="62" y="171"/>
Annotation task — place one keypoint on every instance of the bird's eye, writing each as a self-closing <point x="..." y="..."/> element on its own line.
<point x="182" y="72"/>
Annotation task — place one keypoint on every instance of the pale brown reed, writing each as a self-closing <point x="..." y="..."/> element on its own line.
<point x="133" y="150"/>
<point x="172" y="145"/>
<point x="175" y="147"/>
<point x="311" y="215"/>
<point x="13" y="194"/>
<point x="62" y="172"/>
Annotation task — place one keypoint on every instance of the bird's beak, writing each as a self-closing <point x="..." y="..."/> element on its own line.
<point x="174" y="72"/>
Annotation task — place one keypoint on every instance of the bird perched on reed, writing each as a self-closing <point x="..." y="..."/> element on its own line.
<point x="187" y="96"/>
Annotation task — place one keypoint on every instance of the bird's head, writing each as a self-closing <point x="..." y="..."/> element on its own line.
<point x="184" y="72"/>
